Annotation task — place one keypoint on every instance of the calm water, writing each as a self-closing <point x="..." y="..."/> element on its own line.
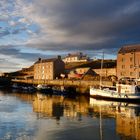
<point x="42" y="117"/>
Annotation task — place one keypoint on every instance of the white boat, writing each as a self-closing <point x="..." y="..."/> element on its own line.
<point x="123" y="92"/>
<point x="44" y="88"/>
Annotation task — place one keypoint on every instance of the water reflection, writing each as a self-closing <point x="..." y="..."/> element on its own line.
<point x="38" y="116"/>
<point x="58" y="106"/>
<point x="15" y="117"/>
<point x="127" y="117"/>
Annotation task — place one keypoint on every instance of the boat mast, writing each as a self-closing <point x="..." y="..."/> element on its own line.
<point x="136" y="65"/>
<point x="102" y="61"/>
<point x="101" y="131"/>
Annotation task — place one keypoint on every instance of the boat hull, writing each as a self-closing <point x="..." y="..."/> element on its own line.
<point x="47" y="90"/>
<point x="136" y="100"/>
<point x="112" y="95"/>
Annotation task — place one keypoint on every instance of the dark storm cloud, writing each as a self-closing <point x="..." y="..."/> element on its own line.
<point x="14" y="51"/>
<point x="97" y="17"/>
<point x="8" y="50"/>
<point x="102" y="24"/>
<point x="30" y="56"/>
<point x="116" y="22"/>
<point x="88" y="48"/>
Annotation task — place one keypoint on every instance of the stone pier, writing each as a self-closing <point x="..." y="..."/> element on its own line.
<point x="81" y="86"/>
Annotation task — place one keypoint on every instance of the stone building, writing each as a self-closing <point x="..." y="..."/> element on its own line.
<point x="106" y="72"/>
<point x="128" y="62"/>
<point x="48" y="68"/>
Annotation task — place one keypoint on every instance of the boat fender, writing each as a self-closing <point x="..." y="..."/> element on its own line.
<point x="126" y="96"/>
<point x="126" y="104"/>
<point x="112" y="93"/>
<point x="119" y="95"/>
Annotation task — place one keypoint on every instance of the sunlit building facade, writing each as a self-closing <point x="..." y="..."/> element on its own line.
<point x="48" y="69"/>
<point x="128" y="62"/>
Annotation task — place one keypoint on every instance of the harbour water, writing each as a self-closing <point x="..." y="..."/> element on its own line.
<point x="25" y="116"/>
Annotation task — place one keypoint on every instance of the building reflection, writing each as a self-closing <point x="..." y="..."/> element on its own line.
<point x="128" y="123"/>
<point x="127" y="117"/>
<point x="59" y="106"/>
<point x="58" y="110"/>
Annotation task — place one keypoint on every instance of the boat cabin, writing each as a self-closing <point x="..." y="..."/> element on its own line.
<point x="127" y="85"/>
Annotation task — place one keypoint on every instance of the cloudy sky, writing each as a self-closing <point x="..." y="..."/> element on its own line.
<point x="45" y="28"/>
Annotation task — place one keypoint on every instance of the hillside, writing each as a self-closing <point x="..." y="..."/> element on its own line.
<point x="93" y="64"/>
<point x="23" y="73"/>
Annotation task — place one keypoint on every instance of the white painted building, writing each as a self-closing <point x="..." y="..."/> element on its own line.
<point x="76" y="57"/>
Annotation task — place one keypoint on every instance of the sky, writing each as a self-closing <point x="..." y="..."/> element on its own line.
<point x="46" y="28"/>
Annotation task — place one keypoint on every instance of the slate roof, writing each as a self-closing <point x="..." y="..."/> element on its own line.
<point x="46" y="60"/>
<point x="130" y="48"/>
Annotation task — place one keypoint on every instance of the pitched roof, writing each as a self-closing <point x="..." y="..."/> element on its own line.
<point x="46" y="60"/>
<point x="130" y="48"/>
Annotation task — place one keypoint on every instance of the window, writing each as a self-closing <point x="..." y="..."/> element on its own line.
<point x="131" y="73"/>
<point x="123" y="59"/>
<point x="122" y="74"/>
<point x="131" y="66"/>
<point x="131" y="59"/>
<point x="123" y="66"/>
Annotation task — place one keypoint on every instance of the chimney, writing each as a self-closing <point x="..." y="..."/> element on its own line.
<point x="59" y="56"/>
<point x="39" y="59"/>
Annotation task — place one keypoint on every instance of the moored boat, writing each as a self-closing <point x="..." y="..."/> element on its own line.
<point x="44" y="88"/>
<point x="123" y="92"/>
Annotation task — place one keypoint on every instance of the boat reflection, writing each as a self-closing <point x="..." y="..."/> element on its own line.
<point x="127" y="116"/>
